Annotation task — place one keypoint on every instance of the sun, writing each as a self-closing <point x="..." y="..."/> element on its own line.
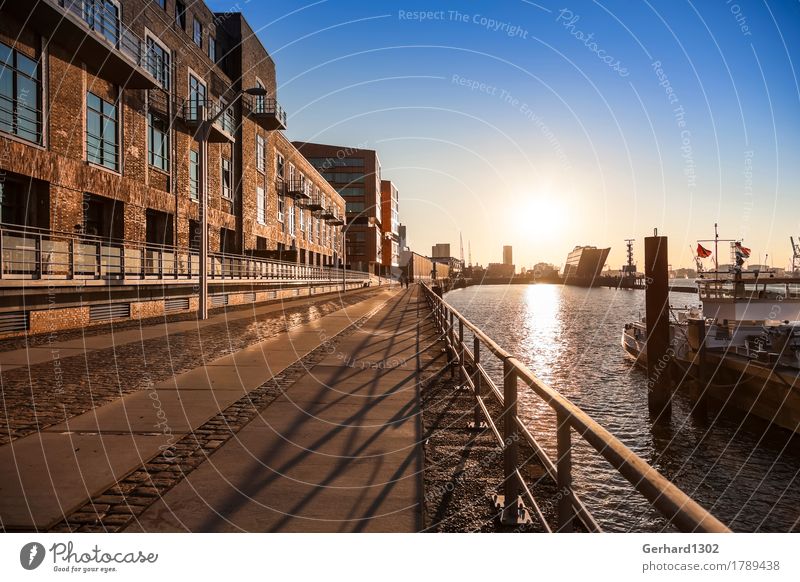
<point x="539" y="216"/>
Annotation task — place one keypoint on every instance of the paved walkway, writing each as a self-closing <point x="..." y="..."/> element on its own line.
<point x="49" y="474"/>
<point x="339" y="450"/>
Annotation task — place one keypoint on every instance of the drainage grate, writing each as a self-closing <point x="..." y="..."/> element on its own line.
<point x="176" y="305"/>
<point x="14" y="321"/>
<point x="219" y="300"/>
<point x="109" y="311"/>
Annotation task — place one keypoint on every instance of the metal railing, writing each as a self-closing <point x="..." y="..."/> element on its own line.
<point x="193" y="113"/>
<point x="677" y="507"/>
<point x="31" y="254"/>
<point x="99" y="18"/>
<point x="258" y="105"/>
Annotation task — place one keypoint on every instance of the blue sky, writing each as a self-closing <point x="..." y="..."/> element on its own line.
<point x="545" y="125"/>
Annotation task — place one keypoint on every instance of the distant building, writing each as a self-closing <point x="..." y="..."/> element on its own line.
<point x="545" y="271"/>
<point x="584" y="264"/>
<point x="499" y="271"/>
<point x="402" y="233"/>
<point x="440" y="250"/>
<point x="390" y="221"/>
<point x="507" y="256"/>
<point x="356" y="175"/>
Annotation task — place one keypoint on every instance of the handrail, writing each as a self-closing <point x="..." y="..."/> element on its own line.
<point x="55" y="256"/>
<point x="672" y="503"/>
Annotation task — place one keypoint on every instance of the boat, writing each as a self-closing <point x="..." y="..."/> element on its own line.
<point x="751" y="328"/>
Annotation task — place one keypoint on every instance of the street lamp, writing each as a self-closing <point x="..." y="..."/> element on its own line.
<point x="203" y="133"/>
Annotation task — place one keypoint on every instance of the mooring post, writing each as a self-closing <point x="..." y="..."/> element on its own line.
<point x="698" y="332"/>
<point x="657" y="317"/>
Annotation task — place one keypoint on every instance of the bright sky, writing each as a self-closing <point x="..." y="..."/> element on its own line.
<point x="546" y="125"/>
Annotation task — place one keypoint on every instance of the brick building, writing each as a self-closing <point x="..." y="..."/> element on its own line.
<point x="100" y="106"/>
<point x="390" y="220"/>
<point x="356" y="175"/>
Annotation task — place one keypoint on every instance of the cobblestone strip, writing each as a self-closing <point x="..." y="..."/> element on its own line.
<point x="118" y="506"/>
<point x="49" y="393"/>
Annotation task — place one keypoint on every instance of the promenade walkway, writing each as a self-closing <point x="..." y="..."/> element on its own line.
<point x="339" y="450"/>
<point x="315" y="428"/>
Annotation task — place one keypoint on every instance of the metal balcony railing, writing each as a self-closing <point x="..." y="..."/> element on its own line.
<point x="104" y="41"/>
<point x="266" y="111"/>
<point x="225" y="124"/>
<point x="471" y="356"/>
<point x="298" y="189"/>
<point x="29" y="254"/>
<point x="315" y="202"/>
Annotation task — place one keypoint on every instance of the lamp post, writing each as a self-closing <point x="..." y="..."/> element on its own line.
<point x="203" y="133"/>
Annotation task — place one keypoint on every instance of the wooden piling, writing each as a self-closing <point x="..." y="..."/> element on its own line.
<point x="657" y="315"/>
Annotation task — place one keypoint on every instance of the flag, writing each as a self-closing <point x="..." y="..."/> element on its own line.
<point x="703" y="252"/>
<point x="744" y="251"/>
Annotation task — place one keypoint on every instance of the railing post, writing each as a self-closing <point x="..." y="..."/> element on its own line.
<point x="461" y="363"/>
<point x="39" y="258"/>
<point x="566" y="510"/>
<point x="477" y="381"/>
<point x="513" y="511"/>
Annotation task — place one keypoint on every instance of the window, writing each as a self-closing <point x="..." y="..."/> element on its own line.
<point x="327" y="163"/>
<point x="280" y="208"/>
<point x="101" y="132"/>
<point x="344" y="177"/>
<point x="20" y="90"/>
<point x="356" y="207"/>
<point x="280" y="166"/>
<point x="197" y="97"/>
<point x="197" y="33"/>
<point x="158" y="60"/>
<point x="261" y="153"/>
<point x="102" y="16"/>
<point x="158" y="142"/>
<point x="194" y="174"/>
<point x="180" y="14"/>
<point x="302" y="214"/>
<point x="260" y="99"/>
<point x="291" y="222"/>
<point x="212" y="49"/>
<point x="291" y="174"/>
<point x="351" y="191"/>
<point x="162" y="3"/>
<point x="227" y="178"/>
<point x="261" y="203"/>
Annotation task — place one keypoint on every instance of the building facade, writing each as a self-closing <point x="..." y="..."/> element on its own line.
<point x="440" y="250"/>
<point x="390" y="221"/>
<point x="356" y="175"/>
<point x="508" y="258"/>
<point x="101" y="104"/>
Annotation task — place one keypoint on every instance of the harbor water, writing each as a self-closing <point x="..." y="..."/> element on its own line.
<point x="741" y="469"/>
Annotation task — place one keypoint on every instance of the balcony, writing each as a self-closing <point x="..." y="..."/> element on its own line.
<point x="265" y="111"/>
<point x="332" y="218"/>
<point x="222" y="130"/>
<point x="315" y="203"/>
<point x="297" y="189"/>
<point x="327" y="214"/>
<point x="96" y="35"/>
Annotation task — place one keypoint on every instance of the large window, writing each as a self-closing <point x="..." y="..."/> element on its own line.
<point x="194" y="174"/>
<point x="344" y="177"/>
<point x="180" y="14"/>
<point x="227" y="179"/>
<point x="20" y="89"/>
<point x="281" y="205"/>
<point x="260" y="99"/>
<point x="158" y="142"/>
<point x="327" y="163"/>
<point x="261" y="153"/>
<point x="197" y="33"/>
<point x="197" y="96"/>
<point x="302" y="214"/>
<point x="291" y="222"/>
<point x="158" y="63"/>
<point x="280" y="166"/>
<point x="102" y="136"/>
<point x="355" y="207"/>
<point x="261" y="203"/>
<point x="351" y="191"/>
<point x="212" y="49"/>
